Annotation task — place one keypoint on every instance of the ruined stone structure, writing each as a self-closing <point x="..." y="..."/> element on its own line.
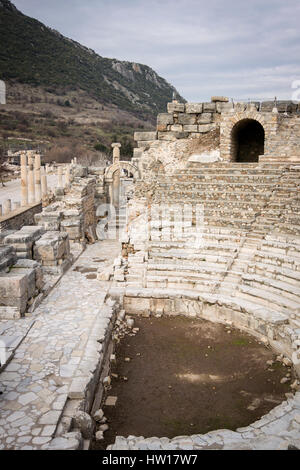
<point x="211" y="231"/>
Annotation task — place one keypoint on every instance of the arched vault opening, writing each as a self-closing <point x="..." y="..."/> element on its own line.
<point x="247" y="141"/>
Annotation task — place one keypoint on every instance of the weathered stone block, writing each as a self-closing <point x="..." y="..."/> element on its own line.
<point x="163" y="120"/>
<point x="145" y="136"/>
<point x="73" y="229"/>
<point x="195" y="108"/>
<point x="205" y="128"/>
<point x="32" y="265"/>
<point x="14" y="290"/>
<point x="186" y="119"/>
<point x="190" y="128"/>
<point x="176" y="128"/>
<point x="209" y="107"/>
<point x="7" y="257"/>
<point x="223" y="99"/>
<point x="170" y="136"/>
<point x="175" y="107"/>
<point x="52" y="246"/>
<point x="205" y="118"/>
<point x="220" y="107"/>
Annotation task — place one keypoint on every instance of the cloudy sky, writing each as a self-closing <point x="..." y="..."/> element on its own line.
<point x="203" y="47"/>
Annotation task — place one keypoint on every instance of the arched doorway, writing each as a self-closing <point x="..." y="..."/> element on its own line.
<point x="119" y="178"/>
<point x="247" y="141"/>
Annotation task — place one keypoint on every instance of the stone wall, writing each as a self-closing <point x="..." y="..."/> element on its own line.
<point x="74" y="211"/>
<point x="170" y="143"/>
<point x="17" y="219"/>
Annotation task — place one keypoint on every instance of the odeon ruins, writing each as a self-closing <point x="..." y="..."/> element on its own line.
<point x="202" y="222"/>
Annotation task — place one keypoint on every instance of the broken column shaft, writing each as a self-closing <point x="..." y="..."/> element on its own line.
<point x="24" y="181"/>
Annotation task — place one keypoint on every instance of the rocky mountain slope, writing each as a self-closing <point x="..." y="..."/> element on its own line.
<point x="35" y="55"/>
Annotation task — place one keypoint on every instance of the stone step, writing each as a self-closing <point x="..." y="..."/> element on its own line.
<point x="283" y="274"/>
<point x="280" y="259"/>
<point x="180" y="282"/>
<point x="161" y="257"/>
<point x="266" y="297"/>
<point x="185" y="269"/>
<point x="283" y="287"/>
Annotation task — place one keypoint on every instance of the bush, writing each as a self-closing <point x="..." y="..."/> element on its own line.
<point x="100" y="147"/>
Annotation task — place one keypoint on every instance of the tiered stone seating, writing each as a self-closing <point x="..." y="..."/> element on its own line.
<point x="282" y="210"/>
<point x="247" y="269"/>
<point x="272" y="278"/>
<point x="180" y="264"/>
<point x="233" y="195"/>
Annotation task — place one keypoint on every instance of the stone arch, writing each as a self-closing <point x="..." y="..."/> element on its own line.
<point x="268" y="121"/>
<point x="247" y="140"/>
<point x="113" y="180"/>
<point x="118" y="166"/>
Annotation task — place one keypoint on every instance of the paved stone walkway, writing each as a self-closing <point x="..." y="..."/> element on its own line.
<point x="60" y="347"/>
<point x="12" y="189"/>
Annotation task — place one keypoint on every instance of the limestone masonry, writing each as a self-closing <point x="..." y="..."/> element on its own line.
<point x="204" y="221"/>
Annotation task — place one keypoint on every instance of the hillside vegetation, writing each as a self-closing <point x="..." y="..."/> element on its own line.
<point x="34" y="54"/>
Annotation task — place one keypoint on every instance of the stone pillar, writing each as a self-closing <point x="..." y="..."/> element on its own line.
<point x="67" y="175"/>
<point x="116" y="152"/>
<point x="31" y="191"/>
<point x="16" y="205"/>
<point x="30" y="157"/>
<point x="0" y="210"/>
<point x="7" y="207"/>
<point x="37" y="174"/>
<point x="44" y="182"/>
<point x="24" y="181"/>
<point x="60" y="180"/>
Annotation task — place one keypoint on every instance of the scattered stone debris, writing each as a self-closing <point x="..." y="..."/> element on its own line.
<point x="111" y="401"/>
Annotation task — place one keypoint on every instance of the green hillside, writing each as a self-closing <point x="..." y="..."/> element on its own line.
<point x="34" y="54"/>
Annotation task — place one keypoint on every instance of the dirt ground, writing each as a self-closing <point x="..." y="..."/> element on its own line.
<point x="190" y="376"/>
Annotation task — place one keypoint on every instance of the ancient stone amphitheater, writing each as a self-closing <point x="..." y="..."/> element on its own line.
<point x="209" y="227"/>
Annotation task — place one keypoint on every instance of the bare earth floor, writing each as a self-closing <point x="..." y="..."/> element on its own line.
<point x="190" y="376"/>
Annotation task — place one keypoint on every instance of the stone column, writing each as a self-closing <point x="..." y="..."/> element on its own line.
<point x="24" y="181"/>
<point x="31" y="191"/>
<point x="16" y="205"/>
<point x="37" y="174"/>
<point x="44" y="182"/>
<point x="67" y="175"/>
<point x="60" y="180"/>
<point x="116" y="152"/>
<point x="0" y="210"/>
<point x="30" y="157"/>
<point x="7" y="207"/>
